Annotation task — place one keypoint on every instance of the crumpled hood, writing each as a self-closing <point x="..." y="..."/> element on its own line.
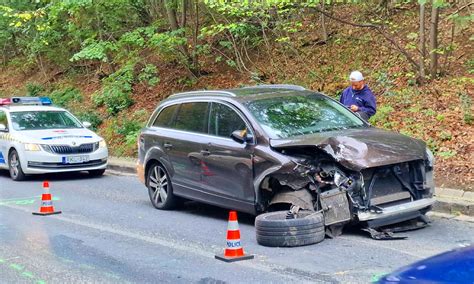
<point x="358" y="149"/>
<point x="56" y="136"/>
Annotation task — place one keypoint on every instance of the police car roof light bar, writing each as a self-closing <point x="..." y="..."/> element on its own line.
<point x="4" y="102"/>
<point x="31" y="100"/>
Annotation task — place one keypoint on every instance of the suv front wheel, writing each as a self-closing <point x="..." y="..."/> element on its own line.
<point x="160" y="188"/>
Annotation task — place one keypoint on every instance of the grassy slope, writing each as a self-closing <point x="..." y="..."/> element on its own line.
<point x="433" y="112"/>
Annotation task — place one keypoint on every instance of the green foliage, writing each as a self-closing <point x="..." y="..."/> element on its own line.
<point x="66" y="96"/>
<point x="470" y="66"/>
<point x="382" y="116"/>
<point x="116" y="93"/>
<point x="383" y="79"/>
<point x="446" y="154"/>
<point x="445" y="135"/>
<point x="466" y="104"/>
<point x="95" y="50"/>
<point x="34" y="89"/>
<point x="130" y="127"/>
<point x="168" y="44"/>
<point x="148" y="74"/>
<point x="92" y="117"/>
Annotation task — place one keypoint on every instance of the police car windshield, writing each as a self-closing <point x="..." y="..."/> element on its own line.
<point x="37" y="120"/>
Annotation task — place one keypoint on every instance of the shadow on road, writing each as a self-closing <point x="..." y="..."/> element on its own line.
<point x="54" y="176"/>
<point x="210" y="211"/>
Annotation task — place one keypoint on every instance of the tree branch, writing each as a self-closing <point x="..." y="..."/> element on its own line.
<point x="460" y="9"/>
<point x="377" y="29"/>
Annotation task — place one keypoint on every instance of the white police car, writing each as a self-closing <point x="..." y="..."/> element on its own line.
<point x="36" y="138"/>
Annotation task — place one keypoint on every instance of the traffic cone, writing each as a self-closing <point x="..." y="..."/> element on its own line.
<point x="234" y="250"/>
<point x="46" y="202"/>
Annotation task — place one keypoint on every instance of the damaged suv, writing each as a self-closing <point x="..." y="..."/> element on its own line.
<point x="287" y="149"/>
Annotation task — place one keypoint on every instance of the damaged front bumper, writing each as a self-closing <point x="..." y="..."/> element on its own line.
<point x="395" y="211"/>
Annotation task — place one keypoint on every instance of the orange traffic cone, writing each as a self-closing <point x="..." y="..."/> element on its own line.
<point x="234" y="250"/>
<point x="46" y="203"/>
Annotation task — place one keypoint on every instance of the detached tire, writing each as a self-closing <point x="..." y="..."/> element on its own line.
<point x="274" y="230"/>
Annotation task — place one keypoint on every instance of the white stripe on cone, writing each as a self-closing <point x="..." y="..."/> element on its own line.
<point x="233" y="226"/>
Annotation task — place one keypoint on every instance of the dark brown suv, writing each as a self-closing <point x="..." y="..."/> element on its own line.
<point x="273" y="147"/>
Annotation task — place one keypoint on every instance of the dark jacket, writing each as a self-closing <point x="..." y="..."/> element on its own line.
<point x="364" y="99"/>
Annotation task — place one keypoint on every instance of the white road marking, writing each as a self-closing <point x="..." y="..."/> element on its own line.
<point x="279" y="270"/>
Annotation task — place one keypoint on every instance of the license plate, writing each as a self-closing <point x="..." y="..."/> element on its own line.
<point x="75" y="159"/>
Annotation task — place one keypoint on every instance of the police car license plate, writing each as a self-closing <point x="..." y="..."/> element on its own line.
<point x="75" y="159"/>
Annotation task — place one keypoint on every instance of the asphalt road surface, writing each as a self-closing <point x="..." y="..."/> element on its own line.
<point x="110" y="233"/>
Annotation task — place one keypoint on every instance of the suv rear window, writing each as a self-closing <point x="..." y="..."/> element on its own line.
<point x="192" y="117"/>
<point x="165" y="117"/>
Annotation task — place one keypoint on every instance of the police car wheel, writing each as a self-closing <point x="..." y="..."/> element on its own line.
<point x="16" y="172"/>
<point x="160" y="189"/>
<point x="97" y="173"/>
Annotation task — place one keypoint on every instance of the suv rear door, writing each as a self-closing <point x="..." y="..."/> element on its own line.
<point x="181" y="140"/>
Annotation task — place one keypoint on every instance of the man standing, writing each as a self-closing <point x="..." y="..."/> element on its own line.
<point x="358" y="97"/>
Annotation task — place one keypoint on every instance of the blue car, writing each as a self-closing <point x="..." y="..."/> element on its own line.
<point x="456" y="266"/>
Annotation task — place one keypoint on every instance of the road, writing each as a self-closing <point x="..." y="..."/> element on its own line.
<point x="110" y="233"/>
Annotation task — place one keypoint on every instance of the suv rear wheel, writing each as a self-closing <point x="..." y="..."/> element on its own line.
<point x="160" y="189"/>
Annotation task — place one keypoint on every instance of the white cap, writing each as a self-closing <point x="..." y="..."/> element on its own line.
<point x="356" y="76"/>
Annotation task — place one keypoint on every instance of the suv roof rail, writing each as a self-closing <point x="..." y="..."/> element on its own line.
<point x="279" y="86"/>
<point x="203" y="92"/>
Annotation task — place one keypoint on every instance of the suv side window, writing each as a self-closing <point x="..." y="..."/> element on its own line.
<point x="3" y="118"/>
<point x="192" y="117"/>
<point x="223" y="121"/>
<point x="165" y="118"/>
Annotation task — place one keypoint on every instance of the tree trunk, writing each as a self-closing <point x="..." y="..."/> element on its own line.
<point x="434" y="40"/>
<point x="171" y="13"/>
<point x="323" y="23"/>
<point x="195" y="36"/>
<point x="422" y="42"/>
<point x="185" y="11"/>
<point x="171" y="7"/>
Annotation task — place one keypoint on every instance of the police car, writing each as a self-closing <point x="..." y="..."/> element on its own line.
<point x="37" y="138"/>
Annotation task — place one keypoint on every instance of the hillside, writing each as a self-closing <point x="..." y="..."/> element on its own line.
<point x="118" y="92"/>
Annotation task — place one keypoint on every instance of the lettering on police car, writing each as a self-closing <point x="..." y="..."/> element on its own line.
<point x="66" y="136"/>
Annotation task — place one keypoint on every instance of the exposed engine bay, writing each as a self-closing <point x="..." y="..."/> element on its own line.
<point x="376" y="197"/>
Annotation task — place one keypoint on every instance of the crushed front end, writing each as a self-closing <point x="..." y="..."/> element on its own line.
<point x="374" y="196"/>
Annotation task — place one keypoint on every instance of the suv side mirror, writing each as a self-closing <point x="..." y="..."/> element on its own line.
<point x="87" y="124"/>
<point x="3" y="128"/>
<point x="241" y="136"/>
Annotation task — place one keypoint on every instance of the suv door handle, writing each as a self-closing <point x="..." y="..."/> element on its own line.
<point x="168" y="145"/>
<point x="205" y="152"/>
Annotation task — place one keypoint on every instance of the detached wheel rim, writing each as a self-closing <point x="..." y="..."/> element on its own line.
<point x="158" y="183"/>
<point x="14" y="165"/>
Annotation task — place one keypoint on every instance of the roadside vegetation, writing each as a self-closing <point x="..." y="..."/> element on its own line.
<point x="111" y="61"/>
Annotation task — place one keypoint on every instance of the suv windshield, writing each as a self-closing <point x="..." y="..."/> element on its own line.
<point x="283" y="117"/>
<point x="34" y="120"/>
